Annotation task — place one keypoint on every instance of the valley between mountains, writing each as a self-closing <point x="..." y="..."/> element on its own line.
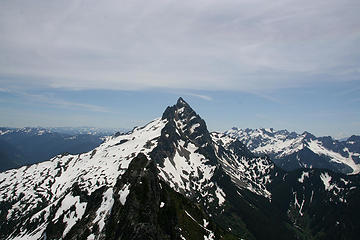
<point x="173" y="179"/>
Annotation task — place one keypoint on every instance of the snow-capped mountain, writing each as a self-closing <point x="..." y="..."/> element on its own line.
<point x="172" y="179"/>
<point x="290" y="150"/>
<point x="87" y="130"/>
<point x="26" y="130"/>
<point x="62" y="130"/>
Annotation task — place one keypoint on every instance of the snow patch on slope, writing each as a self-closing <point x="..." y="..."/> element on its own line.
<point x="124" y="192"/>
<point x="303" y="175"/>
<point x="317" y="148"/>
<point x="104" y="209"/>
<point x="249" y="173"/>
<point x="193" y="127"/>
<point x="300" y="206"/>
<point x="220" y="195"/>
<point x="28" y="187"/>
<point x="326" y="179"/>
<point x="184" y="166"/>
<point x="71" y="217"/>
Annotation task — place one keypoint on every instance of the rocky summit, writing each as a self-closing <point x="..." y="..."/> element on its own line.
<point x="173" y="179"/>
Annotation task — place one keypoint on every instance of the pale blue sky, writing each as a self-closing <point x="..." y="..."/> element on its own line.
<point x="247" y="63"/>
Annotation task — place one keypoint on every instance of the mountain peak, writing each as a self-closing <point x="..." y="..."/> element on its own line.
<point x="308" y="135"/>
<point x="179" y="110"/>
<point x="184" y="125"/>
<point x="184" y="106"/>
<point x="181" y="101"/>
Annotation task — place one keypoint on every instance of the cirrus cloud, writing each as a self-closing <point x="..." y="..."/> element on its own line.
<point x="246" y="45"/>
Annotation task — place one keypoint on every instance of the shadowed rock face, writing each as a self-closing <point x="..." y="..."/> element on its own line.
<point x="138" y="218"/>
<point x="152" y="210"/>
<point x="188" y="122"/>
<point x="184" y="124"/>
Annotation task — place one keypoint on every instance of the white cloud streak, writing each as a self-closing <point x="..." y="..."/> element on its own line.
<point x="58" y="102"/>
<point x="4" y="90"/>
<point x="204" y="97"/>
<point x="245" y="45"/>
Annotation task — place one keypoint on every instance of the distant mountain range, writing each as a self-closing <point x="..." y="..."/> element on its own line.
<point x="24" y="146"/>
<point x="65" y="130"/>
<point x="173" y="179"/>
<point x="87" y="130"/>
<point x="290" y="150"/>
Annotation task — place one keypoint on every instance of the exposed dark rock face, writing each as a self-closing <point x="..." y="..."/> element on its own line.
<point x="186" y="125"/>
<point x="138" y="218"/>
<point x="152" y="210"/>
<point x="83" y="228"/>
<point x="185" y="118"/>
<point x="240" y="149"/>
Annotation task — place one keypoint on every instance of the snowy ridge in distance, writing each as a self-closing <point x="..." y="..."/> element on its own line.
<point x="340" y="156"/>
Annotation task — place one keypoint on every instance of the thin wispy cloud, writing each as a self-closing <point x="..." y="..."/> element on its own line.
<point x="243" y="45"/>
<point x="75" y="105"/>
<point x="57" y="102"/>
<point x="4" y="90"/>
<point x="204" y="97"/>
<point x="266" y="96"/>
